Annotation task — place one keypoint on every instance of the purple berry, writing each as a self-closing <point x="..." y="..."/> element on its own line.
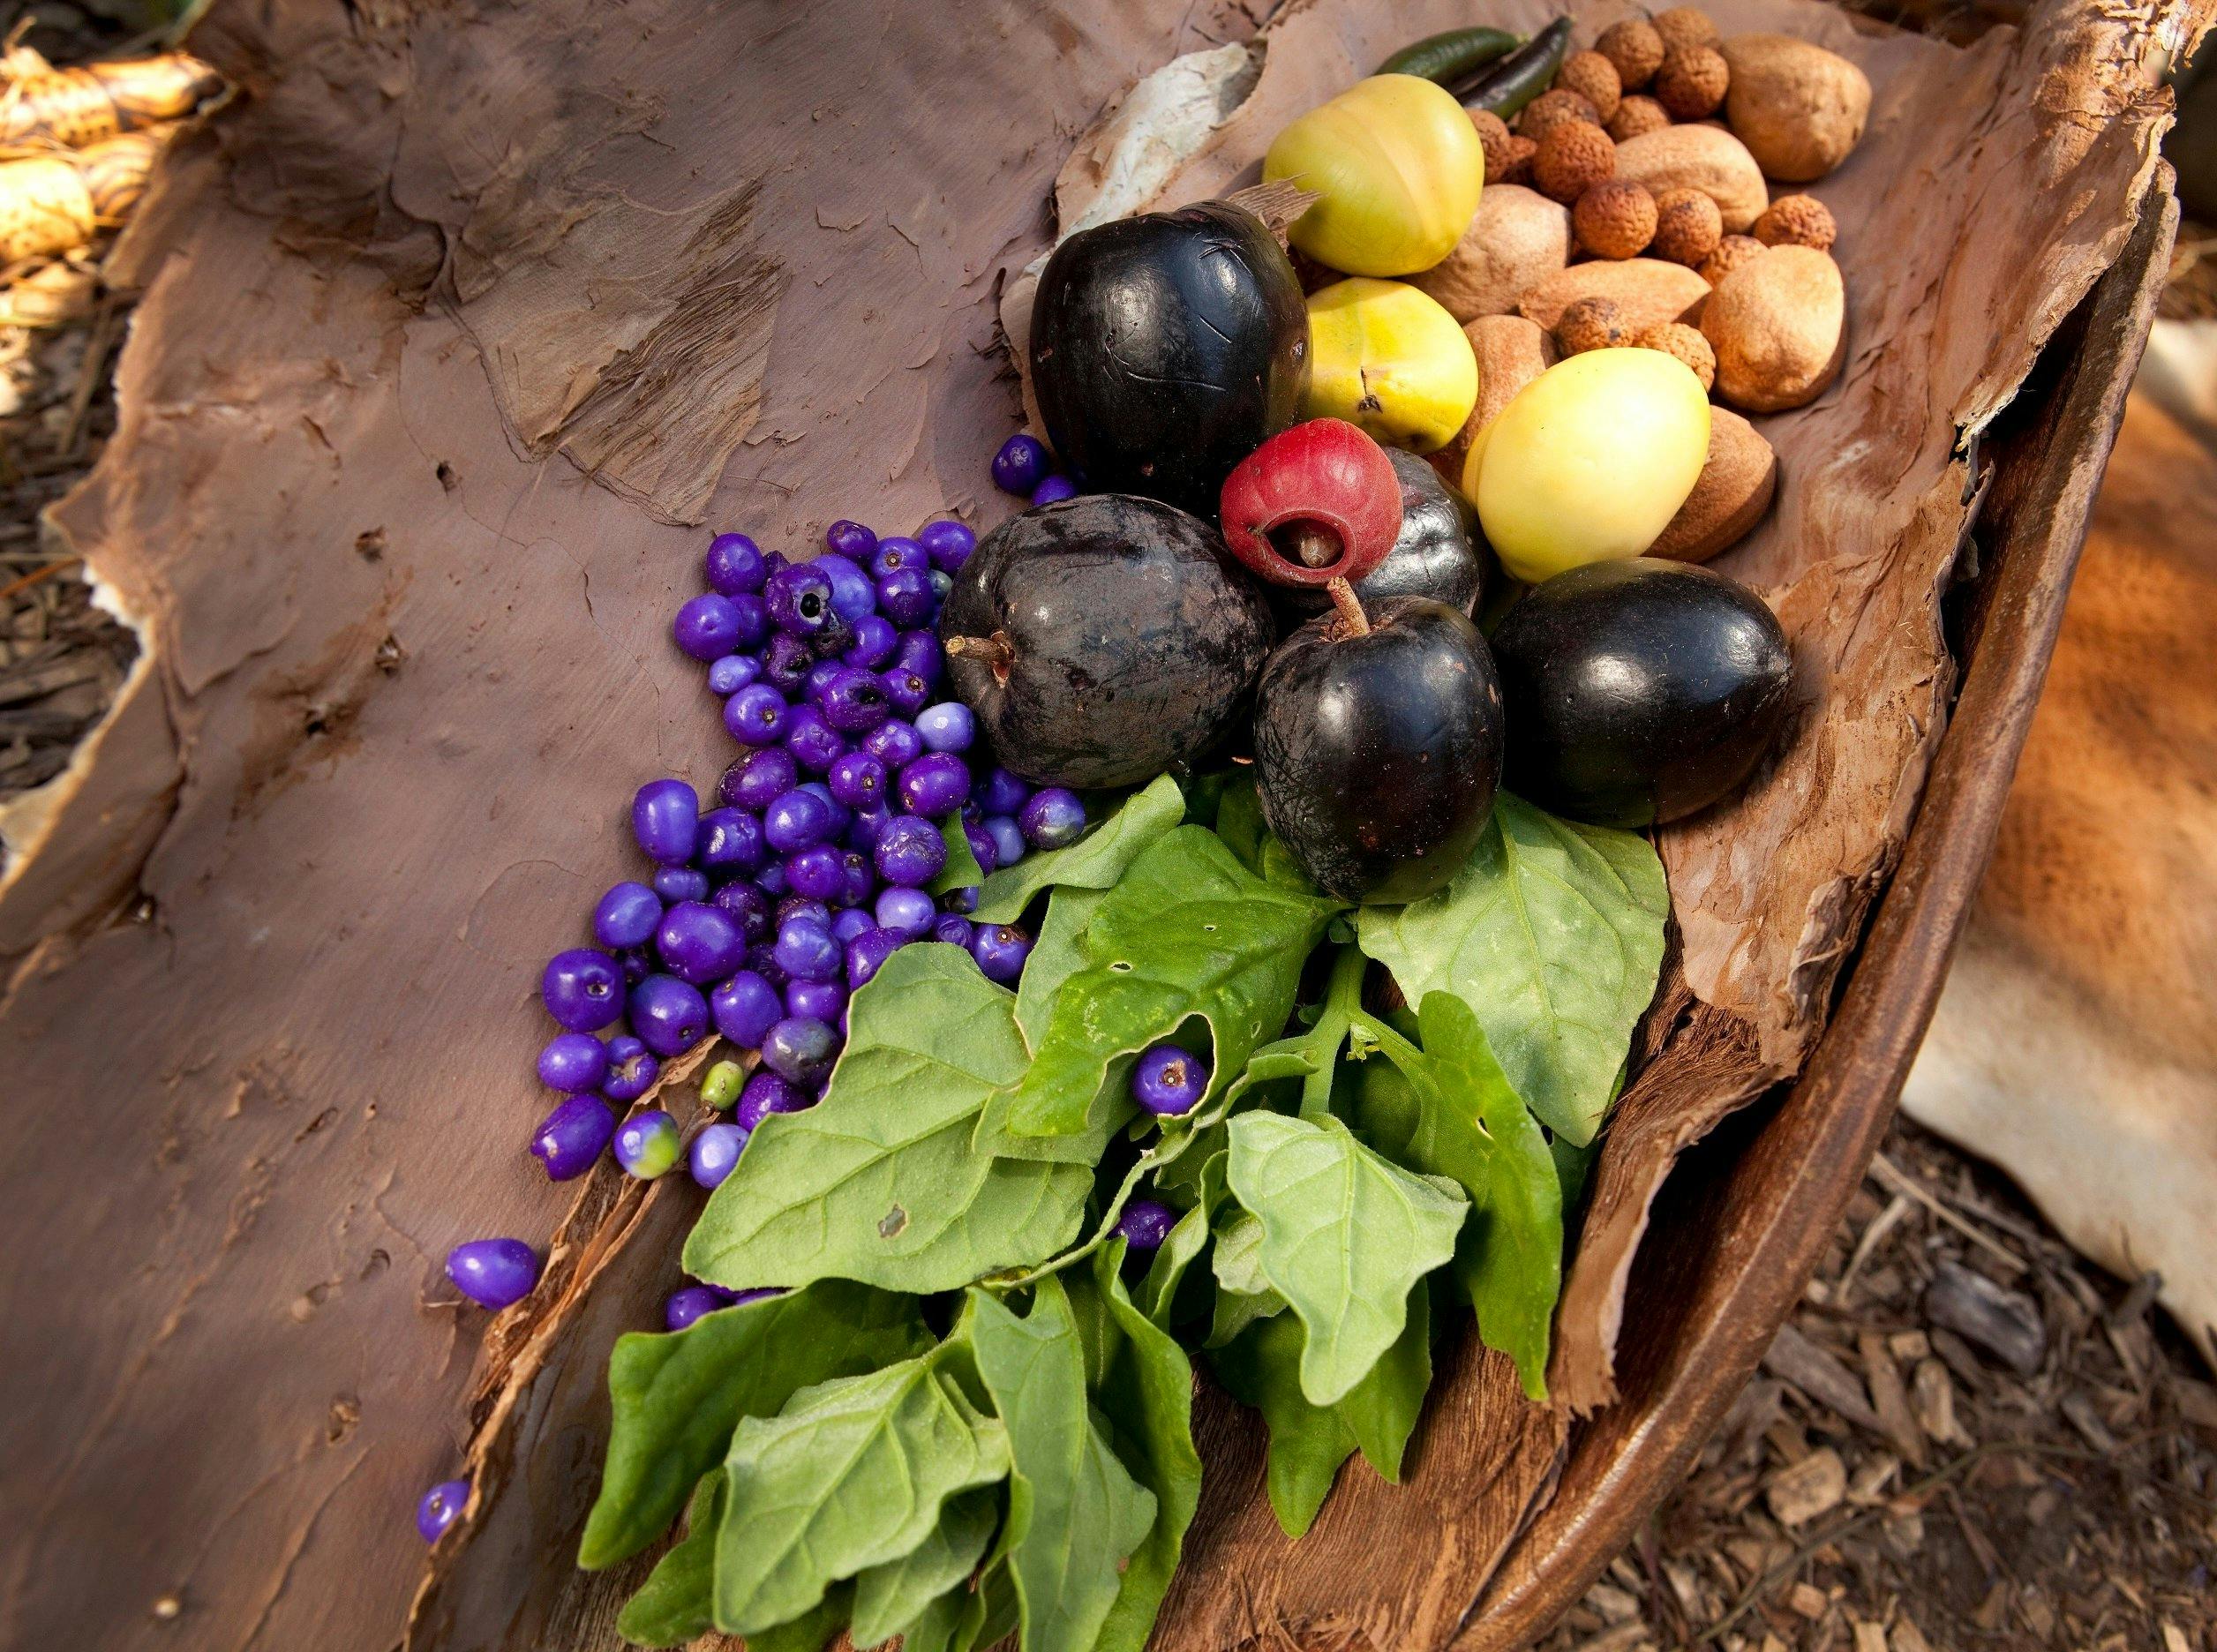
<point x="906" y="692"/>
<point x="800" y="599"/>
<point x="699" y="943"/>
<point x="761" y="959"/>
<point x="933" y="785"/>
<point x="440" y="1508"/>
<point x="919" y="651"/>
<point x="894" y="743"/>
<point x="819" y="679"/>
<point x="866" y="953"/>
<point x="1008" y="839"/>
<point x="1053" y="817"/>
<point x="833" y="639"/>
<point x="767" y="1093"/>
<point x="632" y="1071"/>
<point x="910" y="851"/>
<point x="857" y="780"/>
<point x="816" y="1000"/>
<point x="679" y="884"/>
<point x="819" y="872"/>
<point x="669" y="1014"/>
<point x="572" y="1136"/>
<point x="666" y="815"/>
<point x="1021" y="464"/>
<point x="755" y="715"/>
<point x="731" y="841"/>
<point x="854" y="701"/>
<point x="1169" y="1081"/>
<point x="816" y="911"/>
<point x="735" y="672"/>
<point x="961" y="901"/>
<point x="898" y="553"/>
<point x="857" y="882"/>
<point x="746" y="1007"/>
<point x="1000" y="949"/>
<point x="1053" y="491"/>
<point x="713" y="1153"/>
<point x="868" y="825"/>
<point x="685" y="1306"/>
<point x="947" y="542"/>
<point x="734" y="565"/>
<point x="627" y="915"/>
<point x="707" y="627"/>
<point x="806" y="952"/>
<point x="582" y="989"/>
<point x="876" y="637"/>
<point x="748" y="907"/>
<point x="982" y="848"/>
<point x="905" y="597"/>
<point x="852" y="594"/>
<point x="572" y="1062"/>
<point x="953" y="929"/>
<point x="814" y="743"/>
<point x="646" y="1143"/>
<point x="801" y="1049"/>
<point x="494" y="1273"/>
<point x="637" y="963"/>
<point x="1146" y="1223"/>
<point x="787" y="663"/>
<point x="761" y="1292"/>
<point x="852" y="922"/>
<point x="947" y="726"/>
<point x="850" y="539"/>
<point x="798" y="820"/>
<point x="907" y="912"/>
<point x="756" y="780"/>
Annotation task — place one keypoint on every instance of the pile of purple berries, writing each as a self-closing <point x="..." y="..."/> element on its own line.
<point x="1023" y="467"/>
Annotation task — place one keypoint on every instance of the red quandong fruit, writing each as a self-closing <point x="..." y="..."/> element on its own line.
<point x="1318" y="505"/>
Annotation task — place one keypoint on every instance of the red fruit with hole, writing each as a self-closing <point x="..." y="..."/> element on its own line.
<point x="1316" y="503"/>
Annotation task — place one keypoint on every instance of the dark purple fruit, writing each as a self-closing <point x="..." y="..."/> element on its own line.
<point x="1377" y="752"/>
<point x="1101" y="640"/>
<point x="1639" y="692"/>
<point x="1167" y="348"/>
<point x="1439" y="553"/>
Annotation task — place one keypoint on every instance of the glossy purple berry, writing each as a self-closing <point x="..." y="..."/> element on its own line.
<point x="761" y="959"/>
<point x="665" y="816"/>
<point x="906" y="692"/>
<point x="796" y="820"/>
<point x="440" y="1508"/>
<point x="625" y="915"/>
<point x="982" y="848"/>
<point x="933" y="785"/>
<point x="632" y="1070"/>
<point x="767" y="1093"/>
<point x="648" y="1144"/>
<point x="713" y="1152"/>
<point x="854" y="701"/>
<point x="754" y="780"/>
<point x="494" y="1273"/>
<point x="876" y="637"/>
<point x="919" y="651"/>
<point x="796" y="905"/>
<point x="850" y="539"/>
<point x="675" y="883"/>
<point x="685" y="1306"/>
<point x="570" y="1138"/>
<point x="947" y="727"/>
<point x="866" y="953"/>
<point x="669" y="1014"/>
<point x="859" y="879"/>
<point x="787" y="662"/>
<point x="800" y="599"/>
<point x="819" y="679"/>
<point x="907" y="912"/>
<point x="755" y="715"/>
<point x="857" y="779"/>
<point x="905" y="597"/>
<point x="1000" y="949"/>
<point x="947" y="542"/>
<point x="734" y="565"/>
<point x="699" y="943"/>
<point x="1021" y="464"/>
<point x="848" y="924"/>
<point x="1146" y="1223"/>
<point x="910" y="851"/>
<point x="806" y="952"/>
<point x="953" y="929"/>
<point x="816" y="1000"/>
<point x="894" y="743"/>
<point x="1053" y="491"/>
<point x="1053" y="818"/>
<point x="819" y="872"/>
<point x="896" y="553"/>
<point x="835" y="637"/>
<point x="748" y="907"/>
<point x="582" y="989"/>
<point x="801" y="1049"/>
<point x="1008" y="839"/>
<point x="735" y="672"/>
<point x="731" y="841"/>
<point x="867" y="824"/>
<point x="707" y="627"/>
<point x="814" y="743"/>
<point x="852" y="593"/>
<point x="637" y="963"/>
<point x="1167" y="1081"/>
<point x="746" y="1007"/>
<point x="961" y="901"/>
<point x="572" y="1062"/>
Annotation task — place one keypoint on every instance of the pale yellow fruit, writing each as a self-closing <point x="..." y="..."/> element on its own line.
<point x="1399" y="166"/>
<point x="1589" y="463"/>
<point x="1389" y="359"/>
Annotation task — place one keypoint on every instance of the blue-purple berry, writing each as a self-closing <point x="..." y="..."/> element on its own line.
<point x="494" y="1273"/>
<point x="857" y="779"/>
<point x="755" y="715"/>
<point x="983" y="850"/>
<point x="1021" y="465"/>
<point x="948" y="727"/>
<point x="746" y="1007"/>
<point x="571" y="1138"/>
<point x="814" y="743"/>
<point x="707" y="627"/>
<point x="799" y="598"/>
<point x="734" y="565"/>
<point x="731" y="841"/>
<point x="1000" y="949"/>
<point x="669" y="1014"/>
<point x="674" y="883"/>
<point x="896" y="554"/>
<point x="947" y="542"/>
<point x="910" y="851"/>
<point x="572" y="1061"/>
<point x="690" y="1304"/>
<point x="1146" y="1223"/>
<point x="713" y="1153"/>
<point x="758" y="779"/>
<point x="866" y="953"/>
<point x="855" y="701"/>
<point x="735" y="672"/>
<point x="850" y="539"/>
<point x="953" y="928"/>
<point x="582" y="989"/>
<point x="876" y="637"/>
<point x="863" y="831"/>
<point x="907" y="912"/>
<point x="819" y="872"/>
<point x="852" y="922"/>
<point x="905" y="597"/>
<point x="906" y="692"/>
<point x="1053" y="491"/>
<point x="440" y="1508"/>
<point x="1053" y="817"/>
<point x="933" y="785"/>
<point x="1009" y="847"/>
<point x="962" y="902"/>
<point x="802" y="1048"/>
<point x="798" y="820"/>
<point x="1001" y="792"/>
<point x="633" y="1069"/>
<point x="767" y="1093"/>
<point x="919" y="651"/>
<point x="816" y="1001"/>
<point x="806" y="952"/>
<point x="748" y="907"/>
<point x="895" y="743"/>
<point x="787" y="662"/>
<point x="646" y="1143"/>
<point x="665" y="816"/>
<point x="852" y="594"/>
<point x="626" y="916"/>
<point x="1169" y="1081"/>
<point x="699" y="943"/>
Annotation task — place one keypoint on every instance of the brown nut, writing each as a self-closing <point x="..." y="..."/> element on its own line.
<point x="1493" y="138"/>
<point x="1594" y="78"/>
<point x="1778" y="326"/>
<point x="1798" y="221"/>
<point x="1675" y="338"/>
<point x="1738" y="476"/>
<point x="1688" y="225"/>
<point x="1684" y="26"/>
<point x="1572" y="157"/>
<point x="1732" y="252"/>
<point x="1635" y="49"/>
<point x="1647" y="291"/>
<point x="1636" y="116"/>
<point x="1591" y="324"/>
<point x="1799" y="108"/>
<point x="1692" y="82"/>
<point x="1518" y="167"/>
<point x="1517" y="239"/>
<point x="1614" y="219"/>
<point x="1552" y="108"/>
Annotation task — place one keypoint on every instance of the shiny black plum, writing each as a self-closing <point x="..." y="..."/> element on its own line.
<point x="1439" y="553"/>
<point x="1639" y="692"/>
<point x="1377" y="752"/>
<point x="1103" y="639"/>
<point x="1165" y="349"/>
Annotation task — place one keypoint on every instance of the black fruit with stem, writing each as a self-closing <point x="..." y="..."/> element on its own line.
<point x="1103" y="639"/>
<point x="1378" y="746"/>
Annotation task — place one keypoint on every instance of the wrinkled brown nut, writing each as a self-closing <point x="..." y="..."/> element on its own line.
<point x="1636" y="116"/>
<point x="1552" y="108"/>
<point x="1692" y="82"/>
<point x="1675" y="338"/>
<point x="1732" y="252"/>
<point x="1685" y="26"/>
<point x="1614" y="219"/>
<point x="1594" y="78"/>
<point x="1778" y="325"/>
<point x="1798" y="107"/>
<point x="1518" y="167"/>
<point x="1572" y="157"/>
<point x="1798" y="221"/>
<point x="1688" y="225"/>
<point x="1493" y="138"/>
<point x="1635" y="49"/>
<point x="1591" y="324"/>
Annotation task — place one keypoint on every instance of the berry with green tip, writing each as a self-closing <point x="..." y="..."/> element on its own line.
<point x="646" y="1143"/>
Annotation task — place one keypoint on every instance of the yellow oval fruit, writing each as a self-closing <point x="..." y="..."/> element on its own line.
<point x="1389" y="359"/>
<point x="1590" y="461"/>
<point x="1399" y="166"/>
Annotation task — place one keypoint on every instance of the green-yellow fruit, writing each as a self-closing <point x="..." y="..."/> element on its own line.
<point x="1387" y="357"/>
<point x="1590" y="461"/>
<point x="1399" y="166"/>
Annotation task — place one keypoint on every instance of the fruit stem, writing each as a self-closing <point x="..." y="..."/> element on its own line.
<point x="994" y="650"/>
<point x="1343" y="598"/>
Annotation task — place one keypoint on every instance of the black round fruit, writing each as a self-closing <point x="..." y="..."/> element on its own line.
<point x="1165" y="349"/>
<point x="1439" y="553"/>
<point x="1639" y="692"/>
<point x="1378" y="752"/>
<point x="1103" y="639"/>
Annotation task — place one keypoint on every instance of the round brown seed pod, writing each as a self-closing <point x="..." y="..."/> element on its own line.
<point x="1517" y="168"/>
<point x="1572" y="158"/>
<point x="1675" y="338"/>
<point x="1594" y="78"/>
<point x="1591" y="324"/>
<point x="1636" y="116"/>
<point x="1688" y="225"/>
<point x="1493" y="138"/>
<point x="1685" y="26"/>
<point x="1615" y="220"/>
<point x="1692" y="82"/>
<point x="1636" y="49"/>
<point x="1552" y="108"/>
<point x="1732" y="252"/>
<point x="1798" y="221"/>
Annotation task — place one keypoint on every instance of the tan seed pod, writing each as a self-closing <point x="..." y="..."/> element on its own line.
<point x="1615" y="220"/>
<point x="1732" y="252"/>
<point x="1572" y="158"/>
<point x="1594" y="78"/>
<point x="1692" y="82"/>
<point x="1675" y="338"/>
<point x="1552" y="108"/>
<point x="1636" y="49"/>
<point x="1688" y="225"/>
<point x="1637" y="115"/>
<point x="1685" y="26"/>
<point x="1493" y="138"/>
<point x="1798" y="221"/>
<point x="1591" y="324"/>
<point x="1518" y="167"/>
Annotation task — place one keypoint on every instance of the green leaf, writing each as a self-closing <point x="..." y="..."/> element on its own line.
<point x="1055" y="957"/>
<point x="1188" y="932"/>
<point x="1239" y="823"/>
<point x="962" y="870"/>
<point x="1243" y="1294"/>
<point x="877" y="1182"/>
<point x="890" y="1598"/>
<point x="675" y="1604"/>
<point x="1188" y="1237"/>
<point x="677" y="1397"/>
<point x="1075" y="1512"/>
<point x="1553" y="933"/>
<point x="851" y="1475"/>
<point x="811" y="1631"/>
<point x="1381" y="1410"/>
<point x="1347" y="1234"/>
<point x="1095" y="861"/>
<point x="1471" y="1126"/>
